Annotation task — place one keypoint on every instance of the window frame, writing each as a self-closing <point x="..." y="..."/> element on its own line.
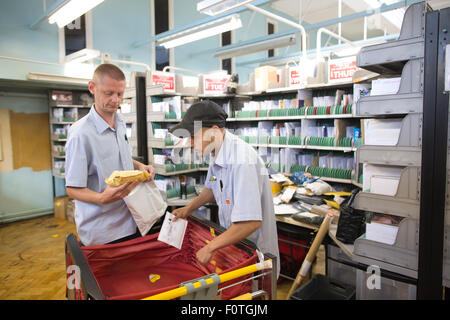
<point x="275" y="30"/>
<point x="152" y="33"/>
<point x="89" y="38"/>
<point x="233" y="59"/>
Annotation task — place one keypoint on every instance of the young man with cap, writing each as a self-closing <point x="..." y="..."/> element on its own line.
<point x="96" y="146"/>
<point x="237" y="180"/>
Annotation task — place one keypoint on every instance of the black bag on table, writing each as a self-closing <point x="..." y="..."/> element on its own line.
<point x="351" y="223"/>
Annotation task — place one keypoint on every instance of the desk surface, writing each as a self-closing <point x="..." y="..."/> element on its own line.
<point x="346" y="248"/>
<point x="288" y="219"/>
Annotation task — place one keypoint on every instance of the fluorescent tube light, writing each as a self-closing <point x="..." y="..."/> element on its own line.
<point x="70" y="10"/>
<point x="54" y="78"/>
<point x="204" y="31"/>
<point x="255" y="46"/>
<point x="216" y="7"/>
<point x="82" y="56"/>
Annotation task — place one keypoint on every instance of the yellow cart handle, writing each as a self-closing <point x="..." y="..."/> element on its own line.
<point x="181" y="291"/>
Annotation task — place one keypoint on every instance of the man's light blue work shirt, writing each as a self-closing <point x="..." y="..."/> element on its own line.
<point x="93" y="151"/>
<point x="240" y="182"/>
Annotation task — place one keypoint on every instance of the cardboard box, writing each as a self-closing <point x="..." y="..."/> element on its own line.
<point x="59" y="207"/>
<point x="263" y="76"/>
<point x="70" y="210"/>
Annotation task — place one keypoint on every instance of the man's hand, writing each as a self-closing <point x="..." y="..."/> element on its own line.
<point x="112" y="194"/>
<point x="142" y="167"/>
<point x="181" y="213"/>
<point x="204" y="255"/>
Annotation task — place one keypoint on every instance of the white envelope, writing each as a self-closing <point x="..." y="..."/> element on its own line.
<point x="172" y="232"/>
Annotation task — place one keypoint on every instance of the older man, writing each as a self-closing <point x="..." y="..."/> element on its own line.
<point x="96" y="146"/>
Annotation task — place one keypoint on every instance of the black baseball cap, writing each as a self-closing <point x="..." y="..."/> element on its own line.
<point x="206" y="111"/>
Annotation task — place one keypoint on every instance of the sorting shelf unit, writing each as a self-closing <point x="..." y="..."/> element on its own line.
<point x="65" y="107"/>
<point x="156" y="144"/>
<point x="408" y="99"/>
<point x="303" y="117"/>
<point x="407" y="150"/>
<point x="130" y="115"/>
<point x="401" y="57"/>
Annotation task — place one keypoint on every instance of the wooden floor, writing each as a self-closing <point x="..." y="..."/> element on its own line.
<point x="32" y="260"/>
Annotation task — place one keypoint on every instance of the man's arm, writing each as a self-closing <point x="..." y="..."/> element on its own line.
<point x="206" y="196"/>
<point x="110" y="194"/>
<point x="237" y="232"/>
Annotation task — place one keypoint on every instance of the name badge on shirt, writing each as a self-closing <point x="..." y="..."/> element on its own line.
<point x="212" y="179"/>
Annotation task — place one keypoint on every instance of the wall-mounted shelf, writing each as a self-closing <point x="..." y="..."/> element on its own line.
<point x="408" y="99"/>
<point x="405" y="203"/>
<point x="402" y="255"/>
<point x="402" y="156"/>
<point x="65" y="108"/>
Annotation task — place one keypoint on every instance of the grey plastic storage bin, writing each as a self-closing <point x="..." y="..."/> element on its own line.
<point x="320" y="288"/>
<point x="389" y="289"/>
<point x="337" y="270"/>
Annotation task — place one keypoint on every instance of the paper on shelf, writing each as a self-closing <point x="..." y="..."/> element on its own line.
<point x="172" y="232"/>
<point x="381" y="232"/>
<point x="384" y="185"/>
<point x="381" y="179"/>
<point x="385" y="86"/>
<point x="382" y="132"/>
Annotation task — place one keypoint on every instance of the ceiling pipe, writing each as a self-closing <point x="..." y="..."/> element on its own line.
<point x="335" y="35"/>
<point x="180" y="69"/>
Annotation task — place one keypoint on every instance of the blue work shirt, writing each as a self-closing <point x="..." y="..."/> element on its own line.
<point x="93" y="151"/>
<point x="240" y="182"/>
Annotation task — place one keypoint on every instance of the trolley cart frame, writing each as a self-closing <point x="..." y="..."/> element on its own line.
<point x="82" y="284"/>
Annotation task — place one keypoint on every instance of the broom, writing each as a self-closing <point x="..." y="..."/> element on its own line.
<point x="309" y="259"/>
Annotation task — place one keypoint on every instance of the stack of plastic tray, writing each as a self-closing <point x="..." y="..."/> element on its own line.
<point x="403" y="57"/>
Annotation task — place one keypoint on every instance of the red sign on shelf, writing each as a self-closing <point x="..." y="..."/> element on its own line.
<point x="167" y="80"/>
<point x="294" y="76"/>
<point x="62" y="97"/>
<point x="341" y="69"/>
<point x="215" y="84"/>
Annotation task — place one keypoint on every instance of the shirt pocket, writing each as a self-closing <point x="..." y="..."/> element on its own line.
<point x="215" y="187"/>
<point x="227" y="205"/>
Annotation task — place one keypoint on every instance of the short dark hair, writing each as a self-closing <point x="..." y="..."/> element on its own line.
<point x="110" y="70"/>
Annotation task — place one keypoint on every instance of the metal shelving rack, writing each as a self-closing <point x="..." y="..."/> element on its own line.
<point x="434" y="262"/>
<point x="58" y="141"/>
<point x="153" y="142"/>
<point x="404" y="57"/>
<point x="131" y="117"/>
<point x="236" y="119"/>
<point x="420" y="252"/>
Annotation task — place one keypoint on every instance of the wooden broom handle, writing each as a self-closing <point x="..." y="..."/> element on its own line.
<point x="309" y="259"/>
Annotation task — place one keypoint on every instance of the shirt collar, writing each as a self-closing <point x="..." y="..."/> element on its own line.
<point x="100" y="123"/>
<point x="222" y="155"/>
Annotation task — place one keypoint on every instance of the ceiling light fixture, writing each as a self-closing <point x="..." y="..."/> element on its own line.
<point x="70" y="10"/>
<point x="216" y="7"/>
<point x="200" y="32"/>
